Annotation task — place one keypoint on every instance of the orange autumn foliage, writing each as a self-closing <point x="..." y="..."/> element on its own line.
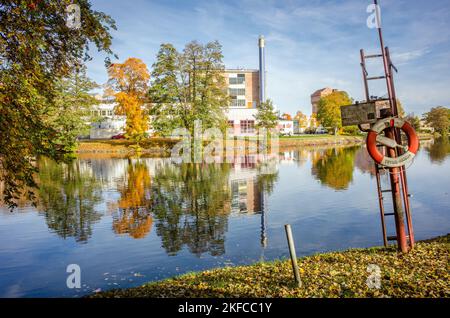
<point x="137" y="119"/>
<point x="128" y="82"/>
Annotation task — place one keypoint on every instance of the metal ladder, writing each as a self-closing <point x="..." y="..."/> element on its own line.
<point x="383" y="214"/>
<point x="399" y="185"/>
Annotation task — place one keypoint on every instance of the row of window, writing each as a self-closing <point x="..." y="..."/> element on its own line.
<point x="247" y="126"/>
<point x="238" y="102"/>
<point x="236" y="91"/>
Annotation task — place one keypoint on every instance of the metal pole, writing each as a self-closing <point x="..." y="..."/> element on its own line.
<point x="293" y="254"/>
<point x="404" y="180"/>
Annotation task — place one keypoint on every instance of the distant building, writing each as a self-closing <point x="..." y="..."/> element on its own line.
<point x="425" y="127"/>
<point x="109" y="123"/>
<point x="286" y="127"/>
<point x="315" y="98"/>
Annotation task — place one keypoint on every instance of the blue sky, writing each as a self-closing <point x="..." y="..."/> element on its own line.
<point x="311" y="44"/>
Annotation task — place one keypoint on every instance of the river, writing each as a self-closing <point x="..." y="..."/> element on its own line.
<point x="129" y="221"/>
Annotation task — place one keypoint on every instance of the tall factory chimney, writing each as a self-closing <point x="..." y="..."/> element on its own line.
<point x="262" y="70"/>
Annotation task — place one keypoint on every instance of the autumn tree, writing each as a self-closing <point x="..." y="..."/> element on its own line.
<point x="129" y="83"/>
<point x="286" y="116"/>
<point x="188" y="86"/>
<point x="438" y="118"/>
<point x="37" y="49"/>
<point x="302" y="119"/>
<point x="329" y="112"/>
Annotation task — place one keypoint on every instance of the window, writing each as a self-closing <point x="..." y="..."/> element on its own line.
<point x="247" y="126"/>
<point x="237" y="91"/>
<point x="231" y="124"/>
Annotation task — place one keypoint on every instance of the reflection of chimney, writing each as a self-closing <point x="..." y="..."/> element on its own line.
<point x="262" y="70"/>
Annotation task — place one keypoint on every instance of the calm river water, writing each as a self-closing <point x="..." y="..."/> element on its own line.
<point x="129" y="221"/>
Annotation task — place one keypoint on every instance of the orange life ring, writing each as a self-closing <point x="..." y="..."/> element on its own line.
<point x="410" y="152"/>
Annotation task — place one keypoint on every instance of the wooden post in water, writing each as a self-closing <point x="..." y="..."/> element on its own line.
<point x="293" y="254"/>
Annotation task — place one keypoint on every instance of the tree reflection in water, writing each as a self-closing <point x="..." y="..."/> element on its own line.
<point x="191" y="204"/>
<point x="439" y="150"/>
<point x="133" y="216"/>
<point x="334" y="167"/>
<point x="67" y="196"/>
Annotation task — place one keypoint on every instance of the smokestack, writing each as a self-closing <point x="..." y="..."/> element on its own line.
<point x="262" y="70"/>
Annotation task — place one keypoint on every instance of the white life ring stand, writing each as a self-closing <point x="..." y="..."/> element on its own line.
<point x="374" y="136"/>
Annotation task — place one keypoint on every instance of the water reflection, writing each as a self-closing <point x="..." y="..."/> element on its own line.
<point x="132" y="216"/>
<point x="191" y="205"/>
<point x="438" y="150"/>
<point x="148" y="216"/>
<point x="334" y="167"/>
<point x="67" y="197"/>
<point x="188" y="205"/>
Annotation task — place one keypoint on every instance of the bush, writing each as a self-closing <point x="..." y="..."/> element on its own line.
<point x="351" y="131"/>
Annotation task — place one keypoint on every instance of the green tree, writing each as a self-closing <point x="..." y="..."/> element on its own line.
<point x="188" y="86"/>
<point x="164" y="92"/>
<point x="37" y="49"/>
<point x="329" y="110"/>
<point x="438" y="118"/>
<point x="266" y="116"/>
<point x="414" y="121"/>
<point x="72" y="108"/>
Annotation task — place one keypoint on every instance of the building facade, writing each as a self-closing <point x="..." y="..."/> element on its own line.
<point x="244" y="93"/>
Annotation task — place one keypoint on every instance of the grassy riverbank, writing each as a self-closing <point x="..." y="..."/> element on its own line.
<point x="424" y="272"/>
<point x="162" y="146"/>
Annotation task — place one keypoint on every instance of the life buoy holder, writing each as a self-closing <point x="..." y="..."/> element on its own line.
<point x="374" y="137"/>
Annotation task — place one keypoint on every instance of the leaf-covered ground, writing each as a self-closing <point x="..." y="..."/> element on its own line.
<point x="424" y="272"/>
